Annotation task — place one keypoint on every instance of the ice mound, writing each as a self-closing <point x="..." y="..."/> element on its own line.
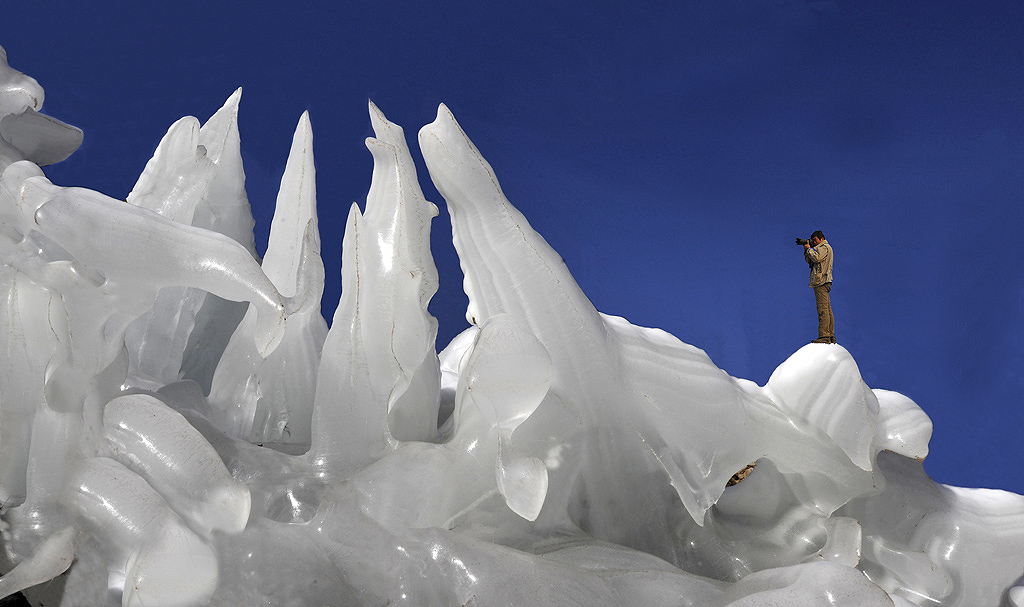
<point x="550" y="455"/>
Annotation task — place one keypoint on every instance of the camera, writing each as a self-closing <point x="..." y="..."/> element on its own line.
<point x="802" y="241"/>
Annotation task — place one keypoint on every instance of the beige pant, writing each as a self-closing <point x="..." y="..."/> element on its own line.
<point x="826" y="322"/>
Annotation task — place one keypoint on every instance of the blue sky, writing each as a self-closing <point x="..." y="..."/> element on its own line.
<point x="670" y="151"/>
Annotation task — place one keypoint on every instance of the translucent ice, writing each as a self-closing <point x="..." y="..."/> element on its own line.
<point x="178" y="426"/>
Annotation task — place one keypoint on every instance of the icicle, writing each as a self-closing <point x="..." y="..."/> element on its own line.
<point x="379" y="379"/>
<point x="270" y="399"/>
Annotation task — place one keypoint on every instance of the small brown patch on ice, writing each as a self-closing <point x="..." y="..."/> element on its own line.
<point x="742" y="474"/>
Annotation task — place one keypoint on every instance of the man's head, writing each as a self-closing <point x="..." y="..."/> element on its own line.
<point x="817" y="237"/>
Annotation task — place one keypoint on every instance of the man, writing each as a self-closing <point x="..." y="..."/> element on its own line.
<point x="818" y="254"/>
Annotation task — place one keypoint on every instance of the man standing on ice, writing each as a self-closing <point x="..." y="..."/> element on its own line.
<point x="818" y="254"/>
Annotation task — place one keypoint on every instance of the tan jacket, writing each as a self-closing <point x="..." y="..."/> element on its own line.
<point x="820" y="258"/>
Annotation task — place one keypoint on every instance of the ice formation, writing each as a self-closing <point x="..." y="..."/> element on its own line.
<point x="178" y="426"/>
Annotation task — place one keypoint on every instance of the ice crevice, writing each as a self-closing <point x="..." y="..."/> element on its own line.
<point x="179" y="426"/>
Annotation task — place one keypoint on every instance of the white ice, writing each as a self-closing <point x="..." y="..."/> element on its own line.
<point x="178" y="426"/>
